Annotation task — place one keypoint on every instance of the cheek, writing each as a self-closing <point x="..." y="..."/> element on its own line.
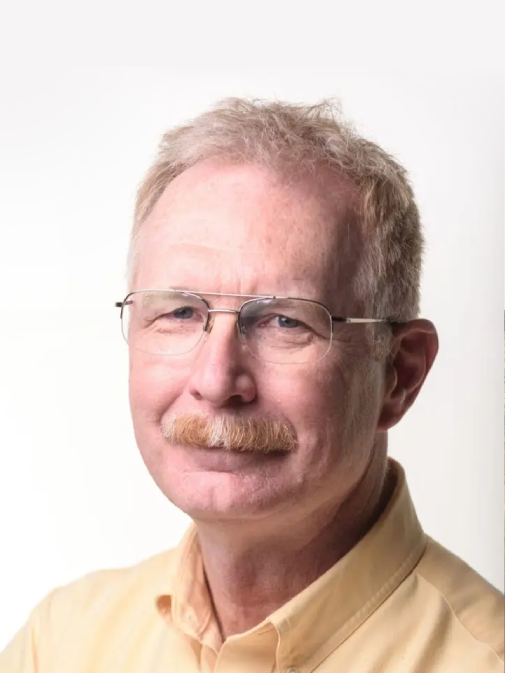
<point x="310" y="398"/>
<point x="331" y="408"/>
<point x="154" y="385"/>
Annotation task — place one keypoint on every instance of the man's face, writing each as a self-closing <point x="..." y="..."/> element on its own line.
<point x="240" y="230"/>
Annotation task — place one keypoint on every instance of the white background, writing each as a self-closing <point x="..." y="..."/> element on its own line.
<point x="74" y="144"/>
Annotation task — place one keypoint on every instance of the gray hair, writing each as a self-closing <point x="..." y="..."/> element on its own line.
<point x="298" y="139"/>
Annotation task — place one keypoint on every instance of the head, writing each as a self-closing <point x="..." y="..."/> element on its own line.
<point x="257" y="199"/>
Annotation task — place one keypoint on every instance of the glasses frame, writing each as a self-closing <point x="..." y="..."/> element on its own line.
<point x="250" y="298"/>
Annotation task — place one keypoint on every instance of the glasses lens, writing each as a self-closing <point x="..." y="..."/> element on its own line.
<point x="286" y="330"/>
<point x="163" y="322"/>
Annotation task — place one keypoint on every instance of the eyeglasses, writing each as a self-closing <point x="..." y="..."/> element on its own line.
<point x="280" y="330"/>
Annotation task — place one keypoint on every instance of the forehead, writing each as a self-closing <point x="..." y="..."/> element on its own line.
<point x="221" y="227"/>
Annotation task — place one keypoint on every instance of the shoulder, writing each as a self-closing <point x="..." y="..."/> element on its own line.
<point x="104" y="594"/>
<point x="146" y="578"/>
<point x="476" y="604"/>
<point x="81" y="609"/>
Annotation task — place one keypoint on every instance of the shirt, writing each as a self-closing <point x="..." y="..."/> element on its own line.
<point x="398" y="602"/>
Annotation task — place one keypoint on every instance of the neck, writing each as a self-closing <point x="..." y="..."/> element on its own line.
<point x="253" y="573"/>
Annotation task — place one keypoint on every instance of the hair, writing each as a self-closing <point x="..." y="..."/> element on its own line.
<point x="303" y="139"/>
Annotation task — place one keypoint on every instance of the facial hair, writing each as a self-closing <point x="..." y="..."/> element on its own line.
<point x="230" y="433"/>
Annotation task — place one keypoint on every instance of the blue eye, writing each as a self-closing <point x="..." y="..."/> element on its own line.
<point x="289" y="323"/>
<point x="184" y="313"/>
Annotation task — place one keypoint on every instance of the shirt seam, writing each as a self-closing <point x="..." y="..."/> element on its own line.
<point x="453" y="611"/>
<point x="378" y="598"/>
<point x="176" y="581"/>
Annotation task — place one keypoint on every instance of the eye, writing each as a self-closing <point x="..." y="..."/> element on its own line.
<point x="280" y="322"/>
<point x="288" y="323"/>
<point x="184" y="313"/>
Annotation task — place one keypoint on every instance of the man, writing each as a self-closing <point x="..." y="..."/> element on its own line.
<point x="274" y="339"/>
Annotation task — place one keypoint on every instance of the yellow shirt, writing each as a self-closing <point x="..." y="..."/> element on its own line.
<point x="398" y="602"/>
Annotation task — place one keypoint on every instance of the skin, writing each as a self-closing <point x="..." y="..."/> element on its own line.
<point x="268" y="527"/>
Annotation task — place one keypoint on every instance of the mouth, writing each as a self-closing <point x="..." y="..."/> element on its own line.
<point x="219" y="459"/>
<point x="244" y="452"/>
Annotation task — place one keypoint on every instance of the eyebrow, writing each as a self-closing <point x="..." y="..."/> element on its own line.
<point x="179" y="288"/>
<point x="291" y="293"/>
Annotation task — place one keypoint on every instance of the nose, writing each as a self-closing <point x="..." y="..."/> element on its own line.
<point x="221" y="375"/>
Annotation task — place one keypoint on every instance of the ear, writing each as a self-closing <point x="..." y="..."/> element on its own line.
<point x="414" y="348"/>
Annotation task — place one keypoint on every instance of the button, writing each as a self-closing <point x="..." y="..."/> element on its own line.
<point x="292" y="670"/>
<point x="163" y="603"/>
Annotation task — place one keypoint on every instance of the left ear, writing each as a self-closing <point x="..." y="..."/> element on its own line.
<point x="415" y="346"/>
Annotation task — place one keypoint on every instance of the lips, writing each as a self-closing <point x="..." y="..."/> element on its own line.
<point x="217" y="459"/>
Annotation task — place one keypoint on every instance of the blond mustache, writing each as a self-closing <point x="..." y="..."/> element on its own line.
<point x="227" y="432"/>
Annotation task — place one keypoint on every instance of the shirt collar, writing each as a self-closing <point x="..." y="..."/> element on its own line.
<point x="342" y="598"/>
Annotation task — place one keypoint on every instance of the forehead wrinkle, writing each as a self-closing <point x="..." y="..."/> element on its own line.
<point x="200" y="278"/>
<point x="189" y="266"/>
<point x="204" y="245"/>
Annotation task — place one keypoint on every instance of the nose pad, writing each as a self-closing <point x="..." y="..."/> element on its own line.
<point x="207" y="328"/>
<point x="241" y="333"/>
<point x="244" y="336"/>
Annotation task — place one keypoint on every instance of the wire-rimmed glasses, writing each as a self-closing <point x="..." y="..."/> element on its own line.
<point x="280" y="330"/>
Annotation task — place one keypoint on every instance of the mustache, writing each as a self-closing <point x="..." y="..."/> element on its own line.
<point x="230" y="433"/>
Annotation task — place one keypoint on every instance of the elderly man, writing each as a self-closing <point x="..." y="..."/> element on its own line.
<point x="274" y="339"/>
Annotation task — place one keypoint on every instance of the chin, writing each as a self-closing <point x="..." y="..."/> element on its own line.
<point x="218" y="496"/>
<point x="218" y="484"/>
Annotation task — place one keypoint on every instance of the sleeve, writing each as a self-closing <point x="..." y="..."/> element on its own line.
<point x="28" y="649"/>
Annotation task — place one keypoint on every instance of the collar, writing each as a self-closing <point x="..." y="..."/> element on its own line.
<point x="342" y="598"/>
